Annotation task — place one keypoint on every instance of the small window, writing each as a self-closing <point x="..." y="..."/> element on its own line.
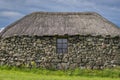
<point x="62" y="46"/>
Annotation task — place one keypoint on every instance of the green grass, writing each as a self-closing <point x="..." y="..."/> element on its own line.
<point x="13" y="73"/>
<point x="18" y="75"/>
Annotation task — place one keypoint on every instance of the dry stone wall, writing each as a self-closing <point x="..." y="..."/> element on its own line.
<point x="92" y="52"/>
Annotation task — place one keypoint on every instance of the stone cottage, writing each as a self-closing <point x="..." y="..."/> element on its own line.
<point x="61" y="40"/>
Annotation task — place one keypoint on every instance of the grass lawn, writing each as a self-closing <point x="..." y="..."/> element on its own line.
<point x="21" y="75"/>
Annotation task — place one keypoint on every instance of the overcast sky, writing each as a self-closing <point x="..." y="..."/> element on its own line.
<point x="12" y="10"/>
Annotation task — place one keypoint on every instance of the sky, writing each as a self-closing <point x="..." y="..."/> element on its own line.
<point x="12" y="10"/>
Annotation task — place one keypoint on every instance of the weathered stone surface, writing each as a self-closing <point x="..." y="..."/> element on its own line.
<point x="91" y="52"/>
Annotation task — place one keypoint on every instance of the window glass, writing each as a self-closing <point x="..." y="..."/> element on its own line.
<point x="62" y="46"/>
<point x="59" y="40"/>
<point x="59" y="50"/>
<point x="64" y="50"/>
<point x="64" y="40"/>
<point x="59" y="45"/>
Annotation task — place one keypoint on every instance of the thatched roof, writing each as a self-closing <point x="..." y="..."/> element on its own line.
<point x="60" y="23"/>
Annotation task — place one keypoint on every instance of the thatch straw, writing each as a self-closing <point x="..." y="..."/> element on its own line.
<point x="60" y="23"/>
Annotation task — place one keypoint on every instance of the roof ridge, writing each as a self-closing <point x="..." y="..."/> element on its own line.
<point x="67" y="13"/>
